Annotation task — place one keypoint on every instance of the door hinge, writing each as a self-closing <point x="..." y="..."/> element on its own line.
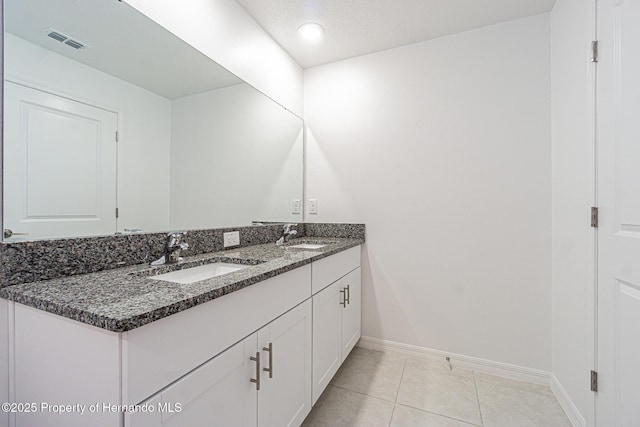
<point x="594" y="381"/>
<point x="594" y="51"/>
<point x="117" y="136"/>
<point x="117" y="212"/>
<point x="594" y="217"/>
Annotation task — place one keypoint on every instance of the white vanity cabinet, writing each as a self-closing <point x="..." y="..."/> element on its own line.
<point x="336" y="315"/>
<point x="220" y="393"/>
<point x="4" y="359"/>
<point x="159" y="353"/>
<point x="289" y="334"/>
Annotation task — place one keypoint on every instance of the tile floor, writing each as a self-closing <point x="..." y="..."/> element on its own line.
<point x="389" y="389"/>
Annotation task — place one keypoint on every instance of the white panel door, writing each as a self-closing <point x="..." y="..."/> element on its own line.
<point x="327" y="336"/>
<point x="618" y="141"/>
<point x="284" y="399"/>
<point x="59" y="165"/>
<point x="352" y="313"/>
<point x="219" y="393"/>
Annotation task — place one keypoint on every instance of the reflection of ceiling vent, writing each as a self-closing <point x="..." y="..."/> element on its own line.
<point x="63" y="38"/>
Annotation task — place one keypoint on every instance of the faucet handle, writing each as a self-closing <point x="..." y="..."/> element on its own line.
<point x="287" y="227"/>
<point x="176" y="233"/>
<point x="174" y="238"/>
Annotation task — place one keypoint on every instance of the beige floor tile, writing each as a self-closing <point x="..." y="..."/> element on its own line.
<point x="377" y="377"/>
<point x="526" y="386"/>
<point x="403" y="416"/>
<point x="504" y="406"/>
<point x="438" y="366"/>
<point x="338" y="407"/>
<point x="380" y="355"/>
<point x="442" y="393"/>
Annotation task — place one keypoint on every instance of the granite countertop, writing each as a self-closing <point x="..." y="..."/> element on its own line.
<point x="122" y="299"/>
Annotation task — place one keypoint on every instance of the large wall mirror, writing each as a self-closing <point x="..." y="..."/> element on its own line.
<point x="114" y="125"/>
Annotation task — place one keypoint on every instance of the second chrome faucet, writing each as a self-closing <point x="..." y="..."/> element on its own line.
<point x="287" y="232"/>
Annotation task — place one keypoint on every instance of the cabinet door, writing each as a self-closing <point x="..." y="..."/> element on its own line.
<point x="219" y="393"/>
<point x="285" y="344"/>
<point x="327" y="336"/>
<point x="351" y="314"/>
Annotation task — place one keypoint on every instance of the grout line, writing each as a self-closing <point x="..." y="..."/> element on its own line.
<point x="404" y="366"/>
<point x="475" y="386"/>
<point x="438" y="414"/>
<point x="395" y="405"/>
<point x="518" y="386"/>
<point x="393" y="411"/>
<point x="364" y="394"/>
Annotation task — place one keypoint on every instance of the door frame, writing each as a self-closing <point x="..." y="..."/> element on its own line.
<point x="592" y="79"/>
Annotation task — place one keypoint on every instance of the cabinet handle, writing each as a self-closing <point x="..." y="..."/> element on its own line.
<point x="257" y="378"/>
<point x="343" y="303"/>
<point x="270" y="368"/>
<point x="348" y="294"/>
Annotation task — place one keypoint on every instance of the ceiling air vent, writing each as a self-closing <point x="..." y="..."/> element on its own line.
<point x="63" y="38"/>
<point x="57" y="36"/>
<point x="74" y="44"/>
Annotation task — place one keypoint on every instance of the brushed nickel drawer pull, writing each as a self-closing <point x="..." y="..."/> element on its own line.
<point x="270" y="368"/>
<point x="343" y="303"/>
<point x="257" y="378"/>
<point x="348" y="294"/>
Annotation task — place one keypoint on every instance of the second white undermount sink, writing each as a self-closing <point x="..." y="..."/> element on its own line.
<point x="196" y="274"/>
<point x="310" y="246"/>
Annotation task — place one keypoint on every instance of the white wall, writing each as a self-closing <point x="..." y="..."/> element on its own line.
<point x="443" y="149"/>
<point x="144" y="121"/>
<point x="572" y="195"/>
<point x="224" y="31"/>
<point x="233" y="147"/>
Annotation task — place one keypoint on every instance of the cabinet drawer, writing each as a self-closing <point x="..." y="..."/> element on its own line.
<point x="159" y="353"/>
<point x="329" y="269"/>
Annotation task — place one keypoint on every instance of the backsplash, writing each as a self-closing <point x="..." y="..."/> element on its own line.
<point x="24" y="262"/>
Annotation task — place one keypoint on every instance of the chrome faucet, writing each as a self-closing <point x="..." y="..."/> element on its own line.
<point x="172" y="247"/>
<point x="286" y="233"/>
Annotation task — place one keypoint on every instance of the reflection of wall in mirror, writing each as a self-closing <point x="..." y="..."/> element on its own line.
<point x="145" y="121"/>
<point x="233" y="147"/>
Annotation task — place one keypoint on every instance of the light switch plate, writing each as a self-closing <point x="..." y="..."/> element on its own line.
<point x="231" y="239"/>
<point x="313" y="206"/>
<point x="295" y="206"/>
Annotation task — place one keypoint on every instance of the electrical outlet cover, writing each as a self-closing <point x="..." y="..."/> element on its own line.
<point x="231" y="239"/>
<point x="295" y="206"/>
<point x="313" y="206"/>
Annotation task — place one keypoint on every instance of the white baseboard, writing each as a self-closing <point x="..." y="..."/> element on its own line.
<point x="567" y="404"/>
<point x="484" y="366"/>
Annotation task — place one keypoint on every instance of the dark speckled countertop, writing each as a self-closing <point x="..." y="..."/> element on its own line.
<point x="122" y="299"/>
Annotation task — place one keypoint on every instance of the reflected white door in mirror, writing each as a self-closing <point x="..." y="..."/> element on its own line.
<point x="59" y="165"/>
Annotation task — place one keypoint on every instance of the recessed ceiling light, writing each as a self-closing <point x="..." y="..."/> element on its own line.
<point x="311" y="31"/>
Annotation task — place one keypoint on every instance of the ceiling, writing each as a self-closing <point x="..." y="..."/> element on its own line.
<point x="121" y="42"/>
<point x="358" y="27"/>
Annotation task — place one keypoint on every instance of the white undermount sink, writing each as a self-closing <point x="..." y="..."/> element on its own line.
<point x="311" y="246"/>
<point x="195" y="274"/>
